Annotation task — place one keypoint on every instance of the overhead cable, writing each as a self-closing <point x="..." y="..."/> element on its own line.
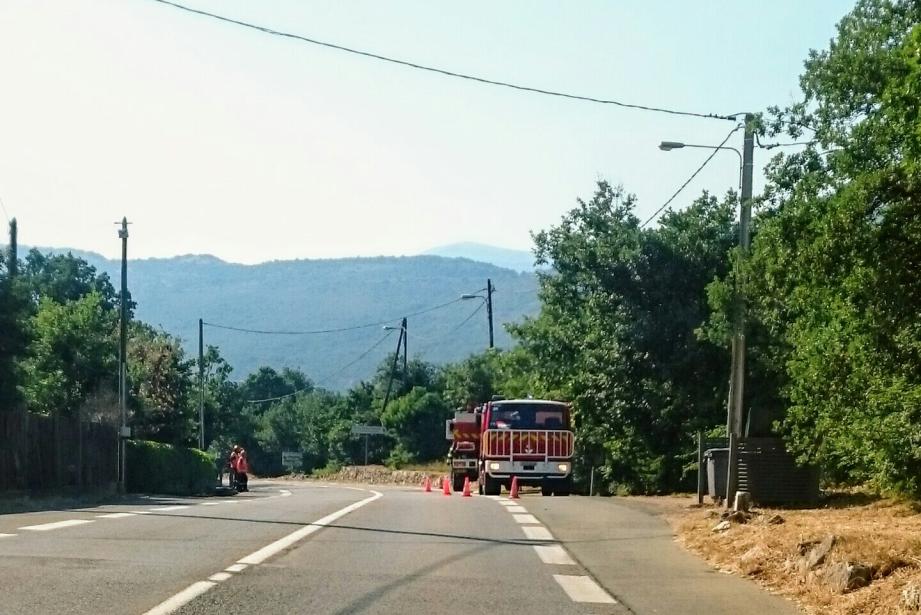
<point x="333" y="330"/>
<point x="691" y="178"/>
<point x="442" y="71"/>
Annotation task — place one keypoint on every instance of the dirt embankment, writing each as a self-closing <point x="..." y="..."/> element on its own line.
<point x="854" y="555"/>
<point x="374" y="475"/>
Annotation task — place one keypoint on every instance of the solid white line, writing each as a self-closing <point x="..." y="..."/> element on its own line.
<point x="44" y="527"/>
<point x="182" y="598"/>
<point x="283" y="543"/>
<point x="583" y="589"/>
<point x="236" y="568"/>
<point x="554" y="554"/>
<point x="220" y="576"/>
<point x="167" y="508"/>
<point x="536" y="532"/>
<point x="516" y="509"/>
<point x="120" y="515"/>
<point x="526" y="519"/>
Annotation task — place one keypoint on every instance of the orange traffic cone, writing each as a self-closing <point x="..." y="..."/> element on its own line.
<point x="466" y="486"/>
<point x="445" y="486"/>
<point x="513" y="492"/>
<point x="427" y="484"/>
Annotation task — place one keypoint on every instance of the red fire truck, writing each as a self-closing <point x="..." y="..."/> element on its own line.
<point x="505" y="438"/>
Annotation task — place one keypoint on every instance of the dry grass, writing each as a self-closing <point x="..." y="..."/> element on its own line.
<point x="881" y="533"/>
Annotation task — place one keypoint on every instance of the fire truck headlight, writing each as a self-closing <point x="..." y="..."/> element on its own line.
<point x="563" y="467"/>
<point x="494" y="465"/>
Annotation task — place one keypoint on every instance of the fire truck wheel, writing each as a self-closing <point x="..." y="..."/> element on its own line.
<point x="545" y="489"/>
<point x="492" y="486"/>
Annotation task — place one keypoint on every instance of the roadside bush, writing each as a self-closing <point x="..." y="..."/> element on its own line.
<point x="154" y="467"/>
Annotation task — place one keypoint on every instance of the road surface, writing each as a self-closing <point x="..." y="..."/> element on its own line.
<point x="312" y="548"/>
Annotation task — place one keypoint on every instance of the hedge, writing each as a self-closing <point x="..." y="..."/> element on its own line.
<point x="154" y="467"/>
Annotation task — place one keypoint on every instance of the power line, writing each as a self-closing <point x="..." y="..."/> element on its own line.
<point x="3" y="207"/>
<point x="442" y="71"/>
<point x="327" y="378"/>
<point x="335" y="330"/>
<point x="433" y="340"/>
<point x="691" y="178"/>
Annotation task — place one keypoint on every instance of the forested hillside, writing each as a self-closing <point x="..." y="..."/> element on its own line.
<point x="307" y="295"/>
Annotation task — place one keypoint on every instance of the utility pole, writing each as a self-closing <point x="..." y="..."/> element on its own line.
<point x="736" y="404"/>
<point x="124" y="432"/>
<point x="201" y="384"/>
<point x="12" y="264"/>
<point x="393" y="368"/>
<point x="405" y="351"/>
<point x="489" y="289"/>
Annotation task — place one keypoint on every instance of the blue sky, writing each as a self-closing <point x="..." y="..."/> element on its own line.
<point x="216" y="139"/>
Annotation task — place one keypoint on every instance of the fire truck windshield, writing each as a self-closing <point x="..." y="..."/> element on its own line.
<point x="527" y="416"/>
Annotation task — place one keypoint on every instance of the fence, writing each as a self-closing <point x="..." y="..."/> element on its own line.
<point x="44" y="452"/>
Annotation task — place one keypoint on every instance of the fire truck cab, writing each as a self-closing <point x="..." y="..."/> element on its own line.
<point x="529" y="439"/>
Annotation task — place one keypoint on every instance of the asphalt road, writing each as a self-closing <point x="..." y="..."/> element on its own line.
<point x="308" y="548"/>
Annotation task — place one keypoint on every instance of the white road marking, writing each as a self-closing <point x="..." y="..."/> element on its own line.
<point x="526" y="519"/>
<point x="182" y="598"/>
<point x="6" y="535"/>
<point x="194" y="590"/>
<point x="554" y="554"/>
<point x="536" y="532"/>
<point x="508" y="503"/>
<point x="494" y="497"/>
<point x="210" y="503"/>
<point x="44" y="527"/>
<point x="296" y="536"/>
<point x="285" y="493"/>
<point x="516" y="509"/>
<point x="168" y="508"/>
<point x="120" y="515"/>
<point x="220" y="576"/>
<point x="583" y="589"/>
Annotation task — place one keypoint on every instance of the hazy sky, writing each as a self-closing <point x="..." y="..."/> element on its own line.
<point x="217" y="139"/>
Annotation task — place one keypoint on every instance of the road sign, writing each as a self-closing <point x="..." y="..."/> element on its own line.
<point x="367" y="430"/>
<point x="292" y="460"/>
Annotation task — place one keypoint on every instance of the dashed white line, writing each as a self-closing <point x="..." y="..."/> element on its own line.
<point x="285" y="493"/>
<point x="516" y="509"/>
<point x="211" y="503"/>
<point x="554" y="554"/>
<point x="168" y="508"/>
<point x="6" y="535"/>
<point x="583" y="589"/>
<point x="196" y="589"/>
<point x="508" y="503"/>
<point x="182" y="598"/>
<point x="536" y="532"/>
<point x="523" y="519"/>
<point x="296" y="536"/>
<point x="118" y="515"/>
<point x="44" y="527"/>
<point x="220" y="576"/>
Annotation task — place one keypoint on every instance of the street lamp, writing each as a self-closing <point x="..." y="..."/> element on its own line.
<point x="488" y="299"/>
<point x="737" y="369"/>
<point x="667" y="146"/>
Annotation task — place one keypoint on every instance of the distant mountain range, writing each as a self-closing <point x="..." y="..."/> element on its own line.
<point x="516" y="260"/>
<point x="320" y="295"/>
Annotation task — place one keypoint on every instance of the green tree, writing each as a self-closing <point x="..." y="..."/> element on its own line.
<point x="617" y="332"/>
<point x="73" y="354"/>
<point x="833" y="273"/>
